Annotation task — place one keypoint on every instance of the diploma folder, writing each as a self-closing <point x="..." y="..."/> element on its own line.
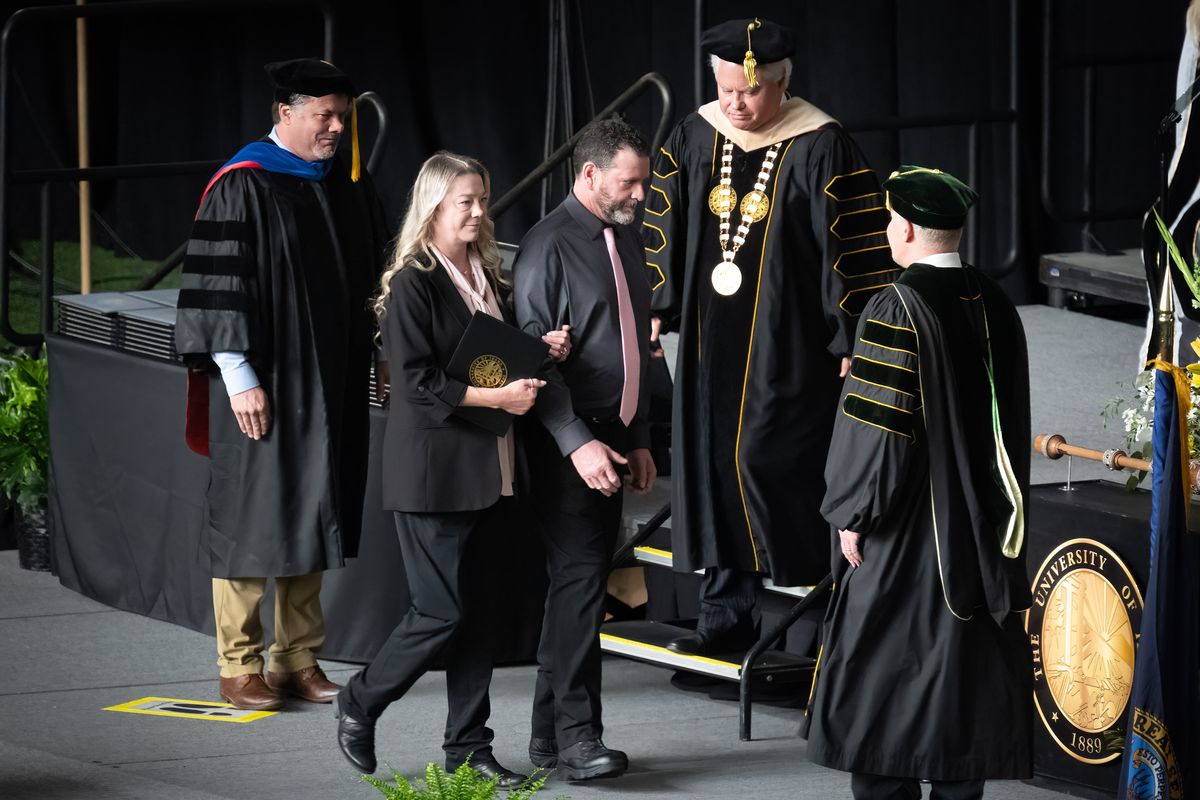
<point x="492" y="354"/>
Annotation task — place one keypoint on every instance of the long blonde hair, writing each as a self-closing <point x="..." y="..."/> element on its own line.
<point x="412" y="246"/>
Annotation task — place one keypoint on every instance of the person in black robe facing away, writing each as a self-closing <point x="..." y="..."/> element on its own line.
<point x="765" y="318"/>
<point x="284" y="251"/>
<point x="925" y="671"/>
<point x="449" y="481"/>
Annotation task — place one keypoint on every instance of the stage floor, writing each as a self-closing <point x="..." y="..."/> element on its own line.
<point x="67" y="658"/>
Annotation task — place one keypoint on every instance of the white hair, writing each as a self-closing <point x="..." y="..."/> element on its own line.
<point x="767" y="73"/>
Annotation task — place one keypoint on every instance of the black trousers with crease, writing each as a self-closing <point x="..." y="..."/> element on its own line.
<point x="579" y="528"/>
<point x="451" y="617"/>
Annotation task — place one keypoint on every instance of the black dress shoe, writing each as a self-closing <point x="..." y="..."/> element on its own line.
<point x="709" y="643"/>
<point x="591" y="759"/>
<point x="543" y="753"/>
<point x="490" y="768"/>
<point x="699" y="643"/>
<point x="356" y="738"/>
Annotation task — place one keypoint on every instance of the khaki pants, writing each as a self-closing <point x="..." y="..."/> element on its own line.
<point x="299" y="624"/>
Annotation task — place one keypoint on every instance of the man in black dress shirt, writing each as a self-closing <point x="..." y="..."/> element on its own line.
<point x="583" y="266"/>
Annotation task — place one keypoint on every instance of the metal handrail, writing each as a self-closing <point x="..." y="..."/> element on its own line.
<point x="745" y="677"/>
<point x="641" y="85"/>
<point x="118" y="9"/>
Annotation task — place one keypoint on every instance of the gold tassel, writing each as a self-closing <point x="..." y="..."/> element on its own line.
<point x="749" y="63"/>
<point x="355" y="158"/>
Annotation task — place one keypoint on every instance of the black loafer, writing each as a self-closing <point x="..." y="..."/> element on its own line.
<point x="490" y="769"/>
<point x="356" y="738"/>
<point x="694" y="644"/>
<point x="708" y="643"/>
<point x="543" y="753"/>
<point x="589" y="759"/>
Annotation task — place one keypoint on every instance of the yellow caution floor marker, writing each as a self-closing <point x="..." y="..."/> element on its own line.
<point x="189" y="709"/>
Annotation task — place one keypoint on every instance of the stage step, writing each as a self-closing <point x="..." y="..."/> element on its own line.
<point x="1120" y="276"/>
<point x="658" y="557"/>
<point x="647" y="641"/>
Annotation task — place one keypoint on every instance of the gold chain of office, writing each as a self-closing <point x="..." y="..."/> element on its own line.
<point x="726" y="276"/>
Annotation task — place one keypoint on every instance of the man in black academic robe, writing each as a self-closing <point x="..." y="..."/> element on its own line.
<point x="925" y="671"/>
<point x="284" y="253"/>
<point x="757" y="376"/>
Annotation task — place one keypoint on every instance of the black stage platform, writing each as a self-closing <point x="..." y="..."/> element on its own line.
<point x="1120" y="276"/>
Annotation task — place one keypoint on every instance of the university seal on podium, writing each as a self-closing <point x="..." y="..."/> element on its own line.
<point x="488" y="372"/>
<point x="1083" y="627"/>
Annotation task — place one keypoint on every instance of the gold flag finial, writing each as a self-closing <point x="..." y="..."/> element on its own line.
<point x="1166" y="319"/>
<point x="749" y="63"/>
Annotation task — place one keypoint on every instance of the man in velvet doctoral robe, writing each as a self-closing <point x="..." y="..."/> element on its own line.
<point x="925" y="671"/>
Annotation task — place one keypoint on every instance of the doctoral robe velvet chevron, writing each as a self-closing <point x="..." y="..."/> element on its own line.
<point x="282" y="268"/>
<point x="925" y="670"/>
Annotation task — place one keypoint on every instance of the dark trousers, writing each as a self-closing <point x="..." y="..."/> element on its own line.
<point x="883" y="787"/>
<point x="445" y="560"/>
<point x="579" y="528"/>
<point x="727" y="598"/>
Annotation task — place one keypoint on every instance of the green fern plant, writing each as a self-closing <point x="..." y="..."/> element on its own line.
<point x="24" y="431"/>
<point x="465" y="783"/>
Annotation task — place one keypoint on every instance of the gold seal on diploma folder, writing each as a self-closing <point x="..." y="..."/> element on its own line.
<point x="488" y="372"/>
<point x="492" y="354"/>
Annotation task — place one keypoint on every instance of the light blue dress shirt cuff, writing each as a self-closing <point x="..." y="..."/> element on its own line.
<point x="236" y="371"/>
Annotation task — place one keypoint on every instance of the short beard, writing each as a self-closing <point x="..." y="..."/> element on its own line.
<point x="621" y="216"/>
<point x="616" y="213"/>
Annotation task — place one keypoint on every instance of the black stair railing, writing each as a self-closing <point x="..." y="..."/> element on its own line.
<point x="745" y="686"/>
<point x="649" y="81"/>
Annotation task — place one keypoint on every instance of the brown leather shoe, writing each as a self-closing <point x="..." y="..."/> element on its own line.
<point x="308" y="684"/>
<point x="250" y="692"/>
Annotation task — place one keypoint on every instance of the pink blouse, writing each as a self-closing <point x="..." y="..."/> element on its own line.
<point x="484" y="301"/>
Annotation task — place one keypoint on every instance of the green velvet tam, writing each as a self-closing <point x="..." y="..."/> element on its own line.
<point x="310" y="76"/>
<point x="769" y="42"/>
<point x="929" y="197"/>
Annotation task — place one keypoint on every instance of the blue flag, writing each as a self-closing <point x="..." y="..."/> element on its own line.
<point x="1160" y="761"/>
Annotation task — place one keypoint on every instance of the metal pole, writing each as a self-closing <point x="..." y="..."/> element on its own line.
<point x="47" y="260"/>
<point x="85" y="187"/>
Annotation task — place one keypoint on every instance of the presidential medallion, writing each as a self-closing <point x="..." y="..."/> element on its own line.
<point x="722" y="199"/>
<point x="726" y="278"/>
<point x="487" y="372"/>
<point x="1082" y="627"/>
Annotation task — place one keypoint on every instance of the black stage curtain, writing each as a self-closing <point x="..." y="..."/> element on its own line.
<point x="472" y="77"/>
<point x="128" y="502"/>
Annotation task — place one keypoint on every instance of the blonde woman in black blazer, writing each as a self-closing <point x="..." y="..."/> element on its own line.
<point x="448" y="481"/>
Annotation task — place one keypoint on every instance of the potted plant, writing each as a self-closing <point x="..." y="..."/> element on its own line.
<point x="25" y="453"/>
<point x="465" y="783"/>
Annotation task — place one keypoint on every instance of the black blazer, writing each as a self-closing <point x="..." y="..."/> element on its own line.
<point x="432" y="460"/>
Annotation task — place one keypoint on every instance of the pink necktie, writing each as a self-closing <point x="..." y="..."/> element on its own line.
<point x="629" y="342"/>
